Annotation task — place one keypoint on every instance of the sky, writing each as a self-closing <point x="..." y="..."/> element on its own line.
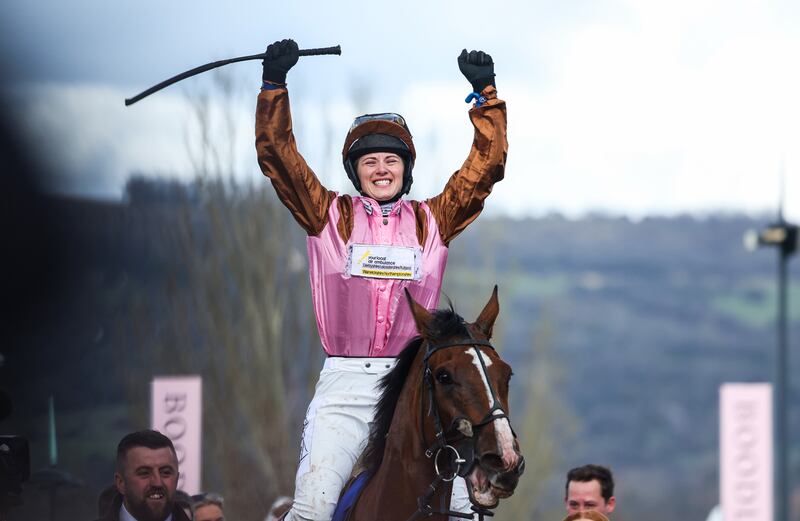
<point x="627" y="107"/>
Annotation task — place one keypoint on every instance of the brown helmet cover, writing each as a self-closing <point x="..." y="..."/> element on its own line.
<point x="379" y="127"/>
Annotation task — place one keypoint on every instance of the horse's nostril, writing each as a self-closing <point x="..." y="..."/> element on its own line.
<point x="492" y="462"/>
<point x="520" y="466"/>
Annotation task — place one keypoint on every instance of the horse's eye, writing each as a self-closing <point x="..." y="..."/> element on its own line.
<point x="443" y="377"/>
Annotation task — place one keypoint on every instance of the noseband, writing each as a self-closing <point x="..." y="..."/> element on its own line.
<point x="461" y="466"/>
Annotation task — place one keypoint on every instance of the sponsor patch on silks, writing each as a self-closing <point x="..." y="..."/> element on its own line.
<point x="380" y="261"/>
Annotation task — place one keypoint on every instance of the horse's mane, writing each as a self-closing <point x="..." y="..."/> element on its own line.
<point x="446" y="323"/>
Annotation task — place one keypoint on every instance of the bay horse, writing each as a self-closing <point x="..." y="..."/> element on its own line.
<point x="443" y="412"/>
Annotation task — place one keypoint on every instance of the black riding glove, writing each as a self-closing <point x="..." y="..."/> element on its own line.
<point x="478" y="68"/>
<point x="280" y="57"/>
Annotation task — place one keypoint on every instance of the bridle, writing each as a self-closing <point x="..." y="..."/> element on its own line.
<point x="463" y="465"/>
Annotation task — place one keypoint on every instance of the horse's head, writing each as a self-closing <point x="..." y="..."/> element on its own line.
<point x="467" y="426"/>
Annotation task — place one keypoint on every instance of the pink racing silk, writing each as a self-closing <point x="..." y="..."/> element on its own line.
<point x="368" y="317"/>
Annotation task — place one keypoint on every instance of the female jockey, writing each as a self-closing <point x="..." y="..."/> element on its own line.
<point x="363" y="251"/>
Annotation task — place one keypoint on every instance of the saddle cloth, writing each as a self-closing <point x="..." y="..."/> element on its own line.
<point x="349" y="497"/>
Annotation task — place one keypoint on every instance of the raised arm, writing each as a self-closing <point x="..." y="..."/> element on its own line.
<point x="295" y="183"/>
<point x="461" y="201"/>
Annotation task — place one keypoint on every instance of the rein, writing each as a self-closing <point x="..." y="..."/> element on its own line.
<point x="441" y="446"/>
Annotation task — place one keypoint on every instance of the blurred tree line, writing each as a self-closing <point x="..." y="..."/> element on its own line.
<point x="234" y="307"/>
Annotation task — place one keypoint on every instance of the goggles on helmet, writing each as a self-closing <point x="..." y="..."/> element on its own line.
<point x="385" y="116"/>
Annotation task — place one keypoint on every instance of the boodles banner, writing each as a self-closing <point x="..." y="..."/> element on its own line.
<point x="746" y="451"/>
<point x="176" y="411"/>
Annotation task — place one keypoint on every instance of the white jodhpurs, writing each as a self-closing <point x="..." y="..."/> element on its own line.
<point x="335" y="433"/>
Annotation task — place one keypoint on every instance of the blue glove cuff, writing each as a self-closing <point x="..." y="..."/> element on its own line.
<point x="265" y="85"/>
<point x="479" y="100"/>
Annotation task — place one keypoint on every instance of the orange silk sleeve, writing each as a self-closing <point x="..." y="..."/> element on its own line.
<point x="297" y="186"/>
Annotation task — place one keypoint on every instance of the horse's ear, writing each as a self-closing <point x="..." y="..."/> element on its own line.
<point x="485" y="321"/>
<point x="422" y="317"/>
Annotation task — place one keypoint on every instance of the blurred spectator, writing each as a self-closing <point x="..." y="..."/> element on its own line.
<point x="184" y="502"/>
<point x="207" y="507"/>
<point x="279" y="508"/>
<point x="715" y="514"/>
<point x="590" y="487"/>
<point x="146" y="480"/>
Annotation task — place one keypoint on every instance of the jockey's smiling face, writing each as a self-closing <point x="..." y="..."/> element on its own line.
<point x="381" y="174"/>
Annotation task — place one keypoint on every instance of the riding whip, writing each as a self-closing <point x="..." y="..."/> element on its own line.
<point x="337" y="50"/>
